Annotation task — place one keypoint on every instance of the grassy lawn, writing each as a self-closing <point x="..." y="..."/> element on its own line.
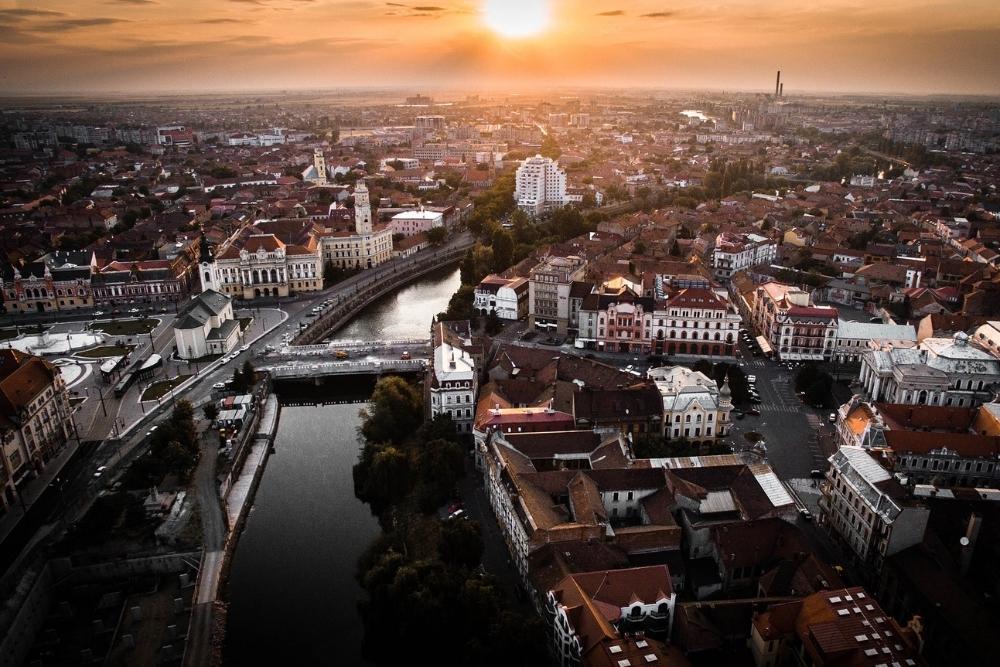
<point x="207" y="359"/>
<point x="76" y="400"/>
<point x="159" y="389"/>
<point x="245" y="322"/>
<point x="106" y="351"/>
<point x="126" y="327"/>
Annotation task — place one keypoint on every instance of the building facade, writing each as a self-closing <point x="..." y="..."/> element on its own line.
<point x="867" y="510"/>
<point x="548" y="292"/>
<point x="795" y="328"/>
<point x="149" y="281"/>
<point x="540" y="185"/>
<point x="508" y="297"/>
<point x="737" y="252"/>
<point x="454" y="381"/>
<point x="367" y="246"/>
<point x="695" y="408"/>
<point x="35" y="420"/>
<point x="267" y="267"/>
<point x="206" y="326"/>
<point x="409" y="223"/>
<point x="937" y="371"/>
<point x="58" y="281"/>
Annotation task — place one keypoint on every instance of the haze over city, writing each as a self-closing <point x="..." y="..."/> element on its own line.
<point x="896" y="46"/>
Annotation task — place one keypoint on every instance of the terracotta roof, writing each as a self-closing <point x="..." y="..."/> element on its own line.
<point x="22" y="378"/>
<point x="268" y="242"/>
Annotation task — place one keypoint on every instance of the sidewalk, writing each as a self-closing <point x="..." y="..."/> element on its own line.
<point x="33" y="490"/>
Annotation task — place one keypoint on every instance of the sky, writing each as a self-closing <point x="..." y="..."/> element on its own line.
<point x="883" y="46"/>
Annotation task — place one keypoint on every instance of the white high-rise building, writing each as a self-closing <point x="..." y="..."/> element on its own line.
<point x="540" y="185"/>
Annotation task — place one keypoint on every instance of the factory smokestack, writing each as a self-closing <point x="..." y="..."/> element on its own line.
<point x="781" y="90"/>
<point x="777" y="84"/>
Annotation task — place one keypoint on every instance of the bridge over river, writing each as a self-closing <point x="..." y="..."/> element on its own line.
<point x="347" y="357"/>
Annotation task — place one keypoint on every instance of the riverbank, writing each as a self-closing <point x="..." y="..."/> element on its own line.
<point x="206" y="632"/>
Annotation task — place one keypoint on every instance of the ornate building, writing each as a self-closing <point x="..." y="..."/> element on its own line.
<point x="60" y="280"/>
<point x="266" y="267"/>
<point x="368" y="245"/>
<point x="35" y="419"/>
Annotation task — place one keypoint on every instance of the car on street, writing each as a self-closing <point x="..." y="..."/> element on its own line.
<point x="751" y="379"/>
<point x="753" y="412"/>
<point x="405" y="355"/>
<point x="806" y="514"/>
<point x="832" y="417"/>
<point x="816" y="473"/>
<point x="98" y="313"/>
<point x="457" y="514"/>
<point x="134" y="310"/>
<point x="219" y="385"/>
<point x="342" y="354"/>
<point x="244" y="348"/>
<point x="100" y="471"/>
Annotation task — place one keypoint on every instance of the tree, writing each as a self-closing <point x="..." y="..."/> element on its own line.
<point x="493" y="323"/>
<point x="461" y="544"/>
<point x="211" y="411"/>
<point x="439" y="465"/>
<point x="437" y="235"/>
<point x="503" y="250"/>
<point x="550" y="147"/>
<point x="394" y="413"/>
<point x="460" y="304"/>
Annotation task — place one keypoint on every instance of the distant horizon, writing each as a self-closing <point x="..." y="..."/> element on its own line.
<point x="138" y="47"/>
<point x="452" y="94"/>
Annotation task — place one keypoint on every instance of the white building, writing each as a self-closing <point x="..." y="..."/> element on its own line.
<point x="206" y="326"/>
<point x="868" y="510"/>
<point x="938" y="371"/>
<point x="694" y="407"/>
<point x="540" y="185"/>
<point x="737" y="252"/>
<point x="266" y="267"/>
<point x="507" y="296"/>
<point x="796" y="329"/>
<point x="454" y="382"/>
<point x="856" y="338"/>
<point x="409" y="223"/>
<point x="368" y="245"/>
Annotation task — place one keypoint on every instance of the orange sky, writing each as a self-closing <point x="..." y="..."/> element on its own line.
<point x="918" y="46"/>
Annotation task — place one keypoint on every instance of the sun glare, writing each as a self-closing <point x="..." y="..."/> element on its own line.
<point x="516" y="18"/>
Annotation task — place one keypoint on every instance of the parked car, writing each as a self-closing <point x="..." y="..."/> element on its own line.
<point x="751" y="379"/>
<point x="754" y="412"/>
<point x="342" y="354"/>
<point x="244" y="348"/>
<point x="219" y="385"/>
<point x="405" y="355"/>
<point x="806" y="514"/>
<point x="816" y="473"/>
<point x="98" y="313"/>
<point x="833" y="417"/>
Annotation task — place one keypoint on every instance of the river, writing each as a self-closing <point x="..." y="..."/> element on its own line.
<point x="292" y="593"/>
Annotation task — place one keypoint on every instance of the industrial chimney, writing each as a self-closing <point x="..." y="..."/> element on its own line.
<point x="777" y="84"/>
<point x="781" y="90"/>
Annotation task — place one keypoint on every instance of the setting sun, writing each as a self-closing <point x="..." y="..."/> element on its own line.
<point x="516" y="18"/>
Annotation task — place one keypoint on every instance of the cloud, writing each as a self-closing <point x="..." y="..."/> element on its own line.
<point x="223" y="21"/>
<point x="425" y="8"/>
<point x="18" y="13"/>
<point x="657" y="15"/>
<point x="614" y="12"/>
<point x="71" y="24"/>
<point x="131" y="2"/>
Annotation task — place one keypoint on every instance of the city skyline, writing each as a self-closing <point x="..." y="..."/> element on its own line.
<point x="133" y="46"/>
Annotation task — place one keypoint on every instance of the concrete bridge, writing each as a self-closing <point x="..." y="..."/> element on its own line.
<point x="381" y="281"/>
<point x="295" y="370"/>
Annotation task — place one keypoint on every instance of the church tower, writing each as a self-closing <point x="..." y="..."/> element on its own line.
<point x="319" y="163"/>
<point x="362" y="210"/>
<point x="206" y="267"/>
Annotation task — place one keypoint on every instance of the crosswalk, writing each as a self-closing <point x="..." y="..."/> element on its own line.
<point x="753" y="363"/>
<point x="781" y="407"/>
